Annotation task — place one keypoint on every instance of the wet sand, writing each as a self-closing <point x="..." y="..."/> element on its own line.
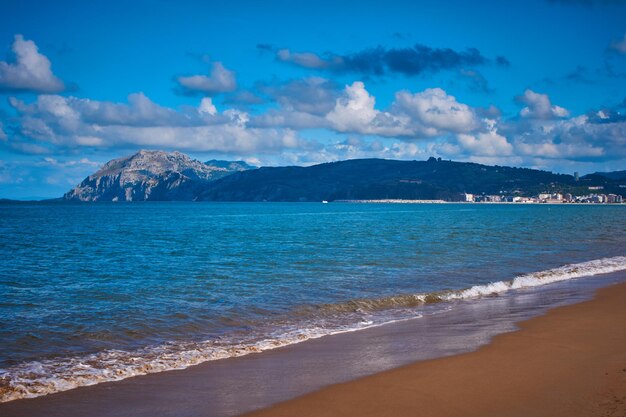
<point x="569" y="362"/>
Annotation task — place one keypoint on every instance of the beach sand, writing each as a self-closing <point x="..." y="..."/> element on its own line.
<point x="569" y="362"/>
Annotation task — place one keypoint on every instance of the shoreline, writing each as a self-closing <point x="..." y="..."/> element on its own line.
<point x="569" y="361"/>
<point x="47" y="377"/>
<point x="234" y="386"/>
<point x="519" y="203"/>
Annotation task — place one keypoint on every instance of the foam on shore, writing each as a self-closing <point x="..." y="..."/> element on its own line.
<point x="48" y="376"/>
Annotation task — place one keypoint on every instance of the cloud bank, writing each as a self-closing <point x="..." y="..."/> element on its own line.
<point x="308" y="120"/>
<point x="415" y="124"/>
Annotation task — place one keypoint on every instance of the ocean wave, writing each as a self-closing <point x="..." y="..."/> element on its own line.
<point x="33" y="379"/>
<point x="590" y="268"/>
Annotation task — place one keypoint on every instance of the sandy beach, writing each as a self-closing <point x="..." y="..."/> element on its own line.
<point x="570" y="362"/>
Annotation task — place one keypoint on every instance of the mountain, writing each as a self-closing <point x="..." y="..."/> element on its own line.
<point x="613" y="175"/>
<point x="362" y="179"/>
<point x="156" y="175"/>
<point x="151" y="175"/>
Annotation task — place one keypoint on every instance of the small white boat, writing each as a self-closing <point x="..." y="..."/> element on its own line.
<point x="324" y="202"/>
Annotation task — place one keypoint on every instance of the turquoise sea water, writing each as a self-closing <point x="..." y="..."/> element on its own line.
<point x="99" y="292"/>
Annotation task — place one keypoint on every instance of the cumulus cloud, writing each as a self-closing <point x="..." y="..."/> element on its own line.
<point x="207" y="107"/>
<point x="415" y="125"/>
<point x="544" y="137"/>
<point x="354" y="111"/>
<point x="436" y="111"/>
<point x="488" y="143"/>
<point x="30" y="72"/>
<point x="414" y="60"/>
<point x="220" y="80"/>
<point x="57" y="122"/>
<point x="429" y="113"/>
<point x="539" y="106"/>
<point x="599" y="135"/>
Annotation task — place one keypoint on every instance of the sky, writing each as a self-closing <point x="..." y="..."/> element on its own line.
<point x="538" y="84"/>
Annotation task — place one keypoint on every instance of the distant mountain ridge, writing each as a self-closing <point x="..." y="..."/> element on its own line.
<point x="156" y="175"/>
<point x="612" y="175"/>
<point x="151" y="175"/>
<point x="373" y="179"/>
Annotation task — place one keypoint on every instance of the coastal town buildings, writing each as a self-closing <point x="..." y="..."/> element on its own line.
<point x="544" y="198"/>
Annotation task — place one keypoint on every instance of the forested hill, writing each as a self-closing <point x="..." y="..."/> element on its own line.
<point x="388" y="179"/>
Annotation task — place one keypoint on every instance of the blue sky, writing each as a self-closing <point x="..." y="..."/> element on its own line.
<point x="538" y="84"/>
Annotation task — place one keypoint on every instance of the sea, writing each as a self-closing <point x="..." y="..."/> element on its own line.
<point x="100" y="292"/>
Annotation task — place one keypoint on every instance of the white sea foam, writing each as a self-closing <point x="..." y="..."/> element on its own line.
<point x="34" y="379"/>
<point x="595" y="267"/>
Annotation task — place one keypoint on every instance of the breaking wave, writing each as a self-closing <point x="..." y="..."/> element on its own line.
<point x="33" y="379"/>
<point x="595" y="267"/>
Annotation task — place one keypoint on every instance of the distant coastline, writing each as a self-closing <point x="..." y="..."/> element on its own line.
<point x="174" y="176"/>
<point x="397" y="201"/>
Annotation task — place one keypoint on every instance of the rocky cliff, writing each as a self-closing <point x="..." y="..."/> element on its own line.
<point x="151" y="175"/>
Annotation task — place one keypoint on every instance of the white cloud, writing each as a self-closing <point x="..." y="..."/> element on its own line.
<point x="539" y="106"/>
<point x="68" y="111"/>
<point x="445" y="127"/>
<point x="429" y="113"/>
<point x="488" y="143"/>
<point x="575" y="138"/>
<point x="436" y="111"/>
<point x="207" y="107"/>
<point x="354" y="110"/>
<point x="61" y="122"/>
<point x="31" y="70"/>
<point x="221" y="80"/>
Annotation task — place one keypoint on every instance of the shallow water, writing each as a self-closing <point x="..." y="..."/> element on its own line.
<point x="99" y="292"/>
